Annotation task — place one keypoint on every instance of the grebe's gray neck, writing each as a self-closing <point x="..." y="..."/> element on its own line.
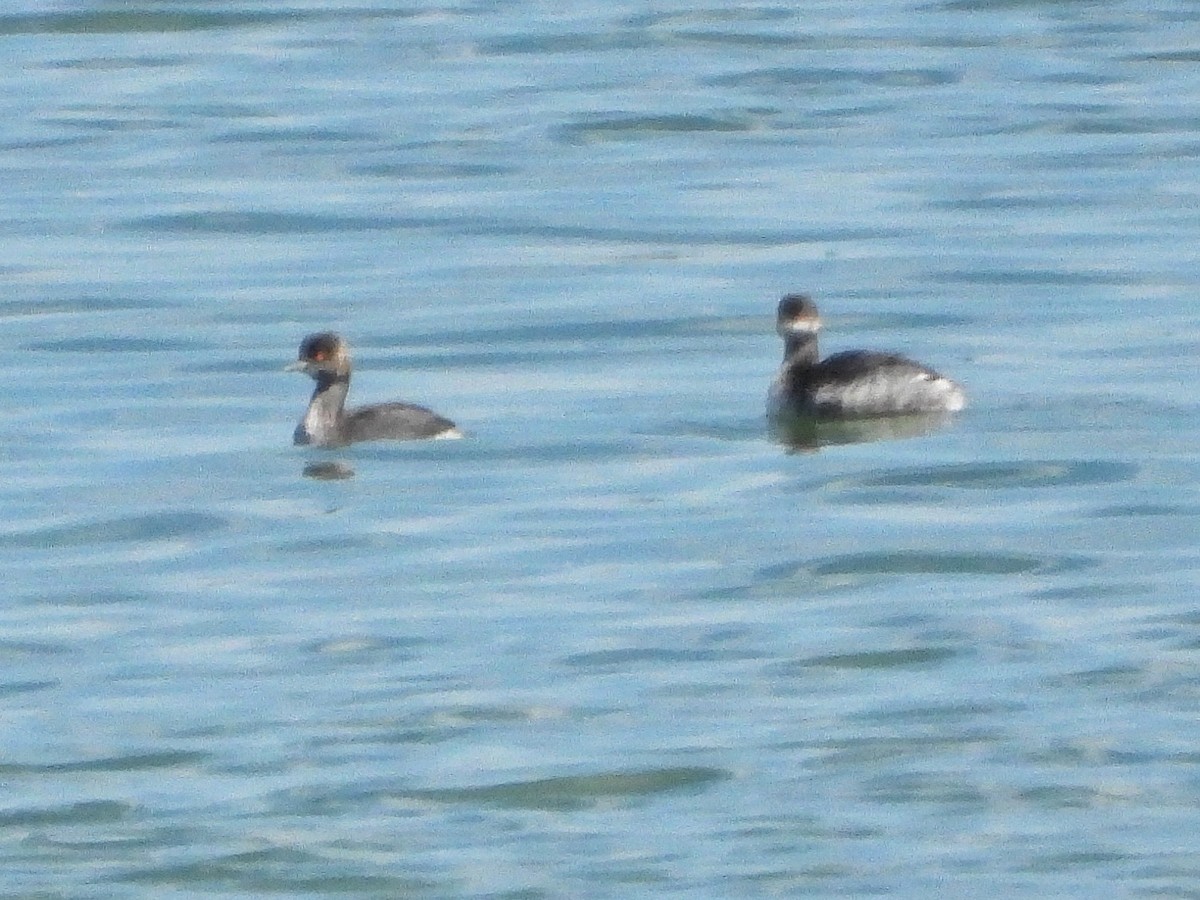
<point x="800" y="349"/>
<point x="322" y="422"/>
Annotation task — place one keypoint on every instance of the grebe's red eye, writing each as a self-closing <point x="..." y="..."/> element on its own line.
<point x="320" y="356"/>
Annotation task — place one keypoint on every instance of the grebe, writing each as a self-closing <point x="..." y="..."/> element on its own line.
<point x="327" y="423"/>
<point x="852" y="384"/>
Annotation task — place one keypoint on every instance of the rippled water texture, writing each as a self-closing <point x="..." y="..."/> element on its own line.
<point x="623" y="640"/>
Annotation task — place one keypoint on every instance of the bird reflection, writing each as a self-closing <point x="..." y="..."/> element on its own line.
<point x="805" y="434"/>
<point x="328" y="471"/>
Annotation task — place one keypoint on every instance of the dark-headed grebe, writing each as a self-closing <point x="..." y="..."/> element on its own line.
<point x="327" y="422"/>
<point x="853" y="384"/>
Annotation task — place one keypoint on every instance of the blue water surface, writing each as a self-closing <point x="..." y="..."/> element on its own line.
<point x="621" y="640"/>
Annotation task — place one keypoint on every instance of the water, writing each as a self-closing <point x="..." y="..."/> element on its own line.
<point x="619" y="641"/>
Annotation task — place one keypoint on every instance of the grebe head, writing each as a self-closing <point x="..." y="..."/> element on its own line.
<point x="320" y="354"/>
<point x="797" y="316"/>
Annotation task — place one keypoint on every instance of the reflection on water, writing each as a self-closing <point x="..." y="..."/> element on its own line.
<point x="328" y="471"/>
<point x="807" y="434"/>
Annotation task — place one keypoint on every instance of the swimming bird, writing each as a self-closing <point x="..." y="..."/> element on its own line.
<point x="851" y="384"/>
<point x="327" y="423"/>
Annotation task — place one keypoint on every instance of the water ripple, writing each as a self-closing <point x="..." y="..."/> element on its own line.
<point x="133" y="762"/>
<point x="89" y="812"/>
<point x="624" y="127"/>
<point x="10" y="688"/>
<point x="570" y="792"/>
<point x="941" y="790"/>
<point x="233" y="222"/>
<point x="844" y="79"/>
<point x="102" y="344"/>
<point x="993" y="475"/>
<point x="42" y="306"/>
<point x="912" y="657"/>
<point x="624" y="657"/>
<point x="276" y="871"/>
<point x="582" y="42"/>
<point x="432" y="170"/>
<point x="137" y="22"/>
<point x="853" y="568"/>
<point x="919" y="562"/>
<point x="164" y="526"/>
